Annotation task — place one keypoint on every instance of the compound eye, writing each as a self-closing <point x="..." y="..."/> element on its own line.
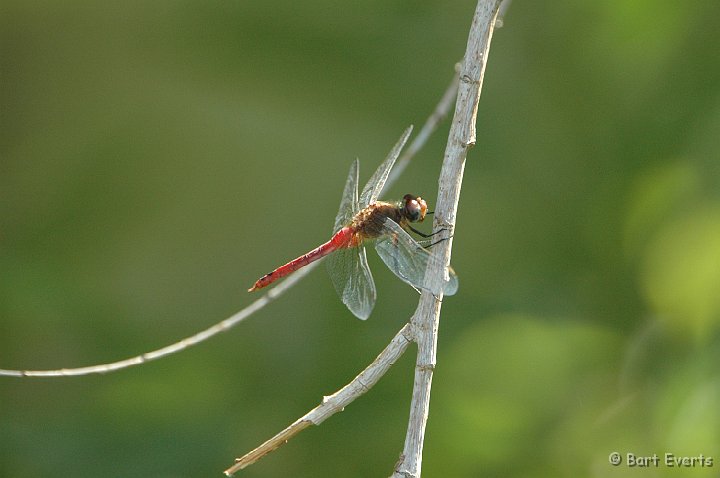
<point x="414" y="208"/>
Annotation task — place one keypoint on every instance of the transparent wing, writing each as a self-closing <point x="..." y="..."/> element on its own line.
<point x="407" y="259"/>
<point x="349" y="201"/>
<point x="351" y="276"/>
<point x="374" y="186"/>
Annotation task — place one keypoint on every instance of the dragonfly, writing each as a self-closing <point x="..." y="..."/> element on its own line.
<point x="361" y="219"/>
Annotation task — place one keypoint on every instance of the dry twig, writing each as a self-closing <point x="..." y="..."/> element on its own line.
<point x="427" y="315"/>
<point x="368" y="377"/>
<point x="423" y="326"/>
<point x="333" y="403"/>
<point x="416" y="144"/>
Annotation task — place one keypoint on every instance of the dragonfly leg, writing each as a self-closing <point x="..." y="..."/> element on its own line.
<point x="422" y="234"/>
<point x="433" y="243"/>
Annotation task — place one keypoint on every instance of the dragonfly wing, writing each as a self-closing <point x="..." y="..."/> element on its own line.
<point x="407" y="259"/>
<point x="374" y="186"/>
<point x="351" y="276"/>
<point x="451" y="286"/>
<point x="349" y="201"/>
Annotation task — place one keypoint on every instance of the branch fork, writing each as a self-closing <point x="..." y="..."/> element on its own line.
<point x="423" y="326"/>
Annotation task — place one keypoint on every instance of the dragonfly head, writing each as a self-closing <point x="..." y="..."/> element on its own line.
<point x="414" y="208"/>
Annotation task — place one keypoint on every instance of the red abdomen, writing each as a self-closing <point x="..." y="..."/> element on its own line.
<point x="343" y="238"/>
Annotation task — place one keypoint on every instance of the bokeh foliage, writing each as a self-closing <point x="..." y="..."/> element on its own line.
<point x="157" y="157"/>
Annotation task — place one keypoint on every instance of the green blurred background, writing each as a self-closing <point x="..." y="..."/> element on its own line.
<point x="158" y="157"/>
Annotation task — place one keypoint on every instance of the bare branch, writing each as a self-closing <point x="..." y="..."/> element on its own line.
<point x="335" y="402"/>
<point x="427" y="316"/>
<point x="437" y="116"/>
<point x="195" y="339"/>
<point x="368" y="377"/>
<point x="430" y="126"/>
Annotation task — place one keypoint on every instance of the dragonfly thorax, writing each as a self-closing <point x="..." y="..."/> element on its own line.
<point x="369" y="222"/>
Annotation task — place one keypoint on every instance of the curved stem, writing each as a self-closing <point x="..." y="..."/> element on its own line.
<point x="427" y="317"/>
